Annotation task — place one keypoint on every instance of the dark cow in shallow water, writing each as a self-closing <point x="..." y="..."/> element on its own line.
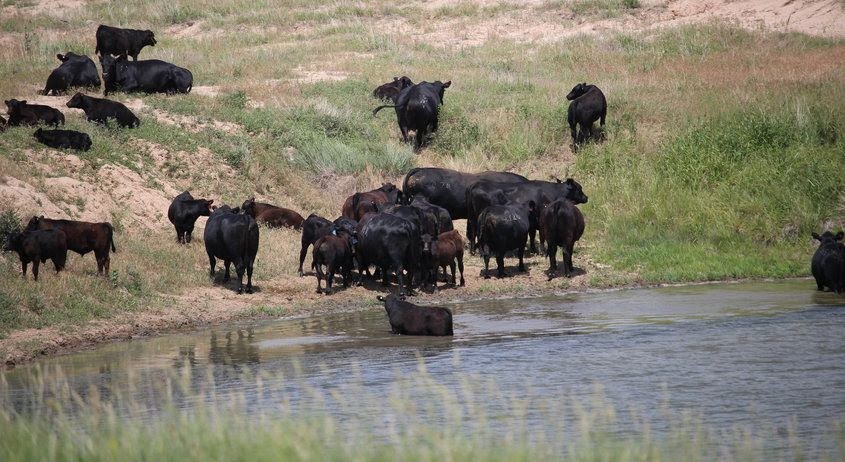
<point x="22" y="113"/>
<point x="485" y="193"/>
<point x="82" y="237"/>
<point x="149" y="76"/>
<point x="561" y="225"/>
<point x="362" y="203"/>
<point x="63" y="139"/>
<point x="390" y="90"/>
<point x="75" y="71"/>
<point x="314" y="227"/>
<point x="184" y="211"/>
<point x="232" y="237"/>
<point x="334" y="253"/>
<point x="417" y="109"/>
<point x="390" y="243"/>
<point x="588" y="105"/>
<point x="122" y="42"/>
<point x="100" y="110"/>
<point x="271" y="215"/>
<point x="828" y="265"/>
<point x="37" y="247"/>
<point x="501" y="229"/>
<point x="447" y="188"/>
<point x="408" y="319"/>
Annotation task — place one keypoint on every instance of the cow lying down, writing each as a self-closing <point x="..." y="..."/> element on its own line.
<point x="409" y="319"/>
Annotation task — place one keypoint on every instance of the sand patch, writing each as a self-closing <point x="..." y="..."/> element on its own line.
<point x="194" y="125"/>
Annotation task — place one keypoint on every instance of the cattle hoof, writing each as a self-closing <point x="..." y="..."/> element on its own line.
<point x="240" y="291"/>
<point x="249" y="290"/>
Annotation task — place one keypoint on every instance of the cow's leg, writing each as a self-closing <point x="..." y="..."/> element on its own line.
<point x="532" y="235"/>
<point x="419" y="138"/>
<point x="330" y="278"/>
<point x="551" y="251"/>
<point x="461" y="269"/>
<point x="404" y="130"/>
<point x="570" y="247"/>
<point x="23" y="268"/>
<point x="471" y="235"/>
<point x="588" y="128"/>
<point x="486" y="266"/>
<point x="226" y="264"/>
<point x="35" y="264"/>
<point x="212" y="262"/>
<point x="188" y="233"/>
<point x="500" y="264"/>
<point x="573" y="128"/>
<point x="453" y="280"/>
<point x="178" y="236"/>
<point x="249" y="277"/>
<point x="302" y="254"/>
<point x="521" y="254"/>
<point x="239" y="270"/>
<point x="385" y="274"/>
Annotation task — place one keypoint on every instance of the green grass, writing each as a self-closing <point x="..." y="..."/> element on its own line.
<point x="419" y="420"/>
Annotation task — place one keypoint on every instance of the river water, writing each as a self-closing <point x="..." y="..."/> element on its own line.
<point x="733" y="355"/>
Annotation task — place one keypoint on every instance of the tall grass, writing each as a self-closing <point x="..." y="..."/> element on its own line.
<point x="186" y="417"/>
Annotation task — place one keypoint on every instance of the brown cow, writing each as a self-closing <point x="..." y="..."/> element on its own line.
<point x="390" y="90"/>
<point x="82" y="237"/>
<point x="442" y="251"/>
<point x="561" y="224"/>
<point x="333" y="253"/>
<point x="272" y="216"/>
<point x="361" y="203"/>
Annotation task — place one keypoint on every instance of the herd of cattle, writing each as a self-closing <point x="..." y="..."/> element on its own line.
<point x="407" y="233"/>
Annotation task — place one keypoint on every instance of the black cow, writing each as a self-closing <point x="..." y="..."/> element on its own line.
<point x="501" y="229"/>
<point x="828" y="264"/>
<point x="100" y="110"/>
<point x="485" y="193"/>
<point x="63" y="139"/>
<point x="314" y="227"/>
<point x="38" y="247"/>
<point x="122" y="42"/>
<point x="82" y="237"/>
<point x="149" y="76"/>
<point x="444" y="220"/>
<point x="335" y="252"/>
<point x="233" y="238"/>
<point x="424" y="223"/>
<point x="390" y="90"/>
<point x="21" y="113"/>
<point x="184" y="212"/>
<point x="588" y="105"/>
<point x="409" y="319"/>
<point x="390" y="243"/>
<point x="447" y="188"/>
<point x="75" y="71"/>
<point x="561" y="225"/>
<point x="417" y="107"/>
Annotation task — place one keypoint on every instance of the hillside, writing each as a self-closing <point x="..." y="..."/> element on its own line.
<point x="724" y="146"/>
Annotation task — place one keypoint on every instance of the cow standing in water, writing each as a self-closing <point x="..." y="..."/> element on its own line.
<point x="408" y="319"/>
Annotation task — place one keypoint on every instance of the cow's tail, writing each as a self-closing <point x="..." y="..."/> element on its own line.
<point x="111" y="237"/>
<point x="315" y="265"/>
<point x="356" y="199"/>
<point x="375" y="111"/>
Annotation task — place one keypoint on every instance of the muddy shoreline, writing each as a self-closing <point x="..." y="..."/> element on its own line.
<point x="30" y="345"/>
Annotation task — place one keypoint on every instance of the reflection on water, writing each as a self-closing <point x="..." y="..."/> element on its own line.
<point x="734" y="353"/>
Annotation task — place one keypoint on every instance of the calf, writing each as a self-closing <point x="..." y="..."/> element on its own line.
<point x="100" y="110"/>
<point x="122" y="42"/>
<point x="417" y="109"/>
<point x="63" y="139"/>
<point x="150" y="76"/>
<point x="409" y="319"/>
<point x="38" y="247"/>
<point x="233" y="238"/>
<point x="587" y="106"/>
<point x="390" y="243"/>
<point x="75" y="71"/>
<point x="447" y="188"/>
<point x="21" y="113"/>
<point x="561" y="224"/>
<point x="82" y="237"/>
<point x="314" y="227"/>
<point x="828" y="265"/>
<point x="502" y="228"/>
<point x="390" y="90"/>
<point x="361" y="203"/>
<point x="335" y="252"/>
<point x="184" y="212"/>
<point x="442" y="251"/>
<point x="272" y="216"/>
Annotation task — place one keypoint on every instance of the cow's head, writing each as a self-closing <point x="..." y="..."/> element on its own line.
<point x="149" y="38"/>
<point x="427" y="242"/>
<point x="61" y="58"/>
<point x="576" y="193"/>
<point x="13" y="105"/>
<point x="828" y="237"/>
<point x="249" y="206"/>
<point x="76" y="101"/>
<point x="577" y="91"/>
<point x="12" y="241"/>
<point x="107" y="63"/>
<point x="37" y="134"/>
<point x="206" y="211"/>
<point x="404" y="82"/>
<point x="34" y="223"/>
<point x="441" y="88"/>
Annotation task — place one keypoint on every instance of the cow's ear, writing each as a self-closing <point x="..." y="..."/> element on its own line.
<point x="447" y="84"/>
<point x="839" y="236"/>
<point x="210" y="201"/>
<point x="816" y="236"/>
<point x="570" y="181"/>
<point x="60" y="57"/>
